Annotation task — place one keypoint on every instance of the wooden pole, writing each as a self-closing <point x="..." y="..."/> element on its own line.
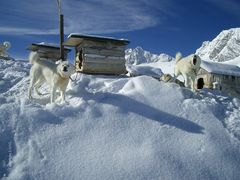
<point x="61" y="27"/>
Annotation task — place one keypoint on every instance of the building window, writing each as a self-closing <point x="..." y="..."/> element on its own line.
<point x="233" y="78"/>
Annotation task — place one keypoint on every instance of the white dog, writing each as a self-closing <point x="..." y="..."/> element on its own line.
<point x="57" y="75"/>
<point x="170" y="79"/>
<point x="188" y="67"/>
<point x="3" y="48"/>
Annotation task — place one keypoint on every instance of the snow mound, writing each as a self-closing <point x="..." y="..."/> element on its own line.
<point x="135" y="70"/>
<point x="224" y="47"/>
<point x="116" y="128"/>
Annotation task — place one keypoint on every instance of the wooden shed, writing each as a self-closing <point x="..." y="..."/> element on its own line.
<point x="48" y="51"/>
<point x="98" y="55"/>
<point x="226" y="75"/>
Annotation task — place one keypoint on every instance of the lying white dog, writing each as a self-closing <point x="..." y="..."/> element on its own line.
<point x="55" y="74"/>
<point x="188" y="67"/>
<point x="170" y="79"/>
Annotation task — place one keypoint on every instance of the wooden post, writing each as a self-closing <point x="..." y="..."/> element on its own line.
<point x="61" y="27"/>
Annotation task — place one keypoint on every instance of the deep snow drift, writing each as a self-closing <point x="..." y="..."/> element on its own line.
<point x="116" y="128"/>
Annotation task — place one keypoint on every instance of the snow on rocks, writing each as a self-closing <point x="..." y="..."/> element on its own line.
<point x="224" y="47"/>
<point x="138" y="56"/>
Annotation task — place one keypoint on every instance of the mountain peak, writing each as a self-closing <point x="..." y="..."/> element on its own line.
<point x="138" y="56"/>
<point x="225" y="47"/>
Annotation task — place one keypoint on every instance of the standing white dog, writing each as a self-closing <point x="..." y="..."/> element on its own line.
<point x="188" y="67"/>
<point x="55" y="74"/>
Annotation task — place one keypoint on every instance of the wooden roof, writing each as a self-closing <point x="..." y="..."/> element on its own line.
<point x="76" y="39"/>
<point x="36" y="46"/>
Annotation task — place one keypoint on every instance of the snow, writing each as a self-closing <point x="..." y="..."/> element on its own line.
<point x="117" y="128"/>
<point x="222" y="48"/>
<point x="51" y="45"/>
<point x="235" y="61"/>
<point x="79" y="35"/>
<point x="134" y="70"/>
<point x="139" y="56"/>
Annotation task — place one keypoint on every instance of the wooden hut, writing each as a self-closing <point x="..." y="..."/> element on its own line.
<point x="48" y="51"/>
<point x="226" y="75"/>
<point x="98" y="55"/>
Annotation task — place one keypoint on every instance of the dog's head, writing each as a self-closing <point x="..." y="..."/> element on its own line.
<point x="166" y="77"/>
<point x="64" y="68"/>
<point x="195" y="61"/>
<point x="7" y="45"/>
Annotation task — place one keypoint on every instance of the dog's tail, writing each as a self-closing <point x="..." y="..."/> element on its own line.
<point x="178" y="56"/>
<point x="33" y="57"/>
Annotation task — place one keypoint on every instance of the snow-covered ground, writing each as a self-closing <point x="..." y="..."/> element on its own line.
<point x="117" y="128"/>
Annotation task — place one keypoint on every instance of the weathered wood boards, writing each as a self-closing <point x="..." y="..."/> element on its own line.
<point x="98" y="55"/>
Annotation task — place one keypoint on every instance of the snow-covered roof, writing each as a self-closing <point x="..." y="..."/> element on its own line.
<point x="75" y="39"/>
<point x="220" y="68"/>
<point x="35" y="46"/>
<point x="235" y="61"/>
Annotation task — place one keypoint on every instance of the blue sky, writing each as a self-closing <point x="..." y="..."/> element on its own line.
<point x="159" y="26"/>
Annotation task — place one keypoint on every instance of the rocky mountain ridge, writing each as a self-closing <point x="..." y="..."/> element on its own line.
<point x="225" y="47"/>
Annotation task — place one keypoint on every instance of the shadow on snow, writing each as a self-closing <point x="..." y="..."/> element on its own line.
<point x="127" y="104"/>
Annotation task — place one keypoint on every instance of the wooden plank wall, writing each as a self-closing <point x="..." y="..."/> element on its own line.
<point x="101" y="58"/>
<point x="229" y="84"/>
